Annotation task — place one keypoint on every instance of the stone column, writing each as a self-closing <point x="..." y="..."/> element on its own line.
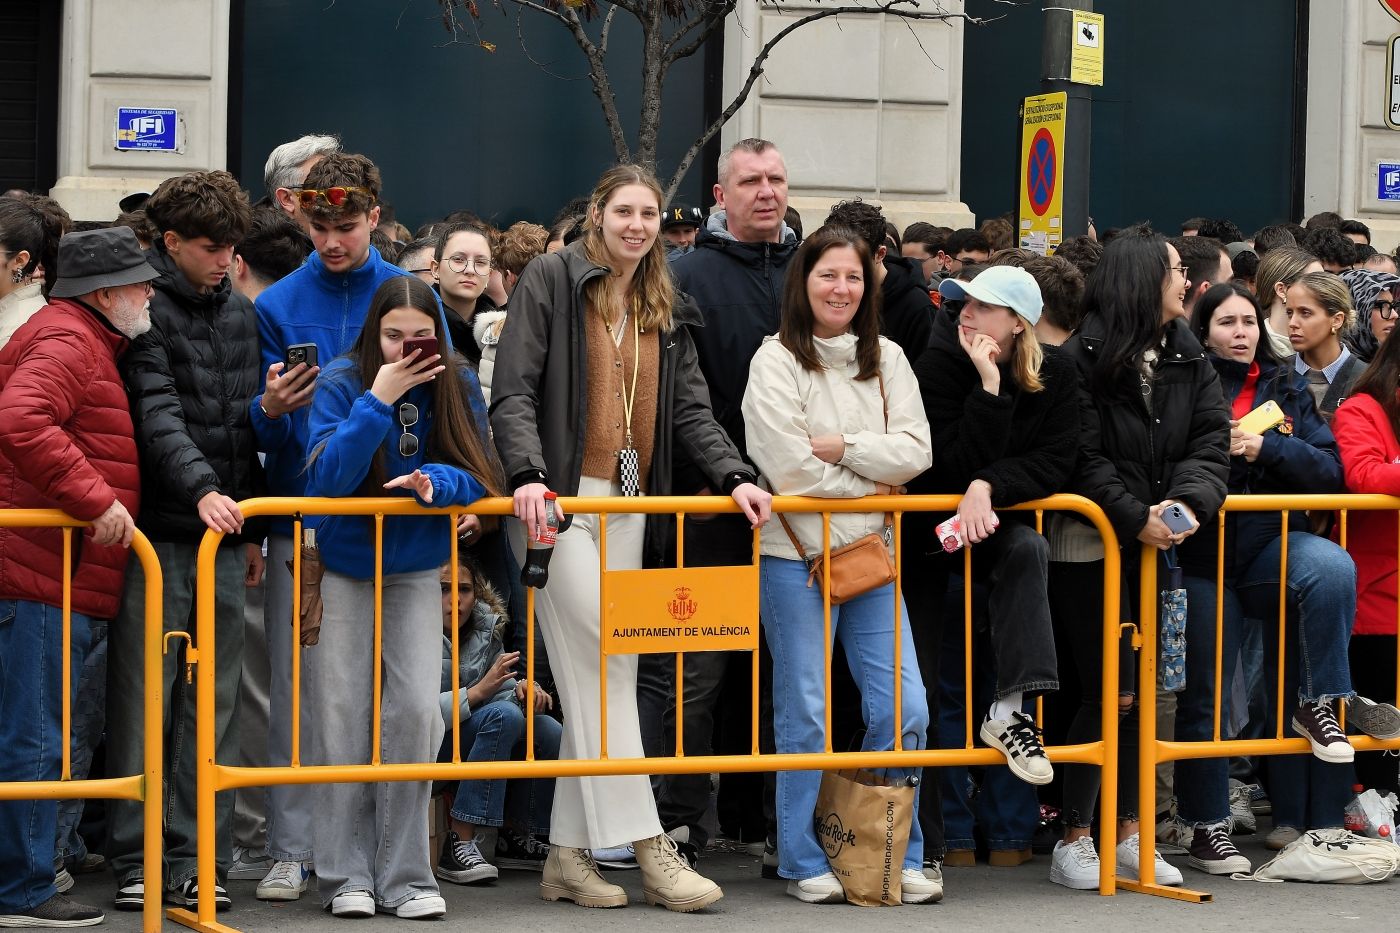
<point x="863" y="106"/>
<point x="1347" y="136"/>
<point x="167" y="54"/>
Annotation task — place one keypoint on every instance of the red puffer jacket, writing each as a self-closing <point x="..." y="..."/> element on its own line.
<point x="1371" y="460"/>
<point x="66" y="442"/>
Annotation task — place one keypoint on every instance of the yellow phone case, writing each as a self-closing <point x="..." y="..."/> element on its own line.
<point x="1262" y="418"/>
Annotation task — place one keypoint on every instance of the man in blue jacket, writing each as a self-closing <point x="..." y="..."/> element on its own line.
<point x="322" y="303"/>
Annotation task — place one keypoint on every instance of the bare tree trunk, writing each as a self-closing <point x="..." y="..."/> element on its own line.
<point x="654" y="68"/>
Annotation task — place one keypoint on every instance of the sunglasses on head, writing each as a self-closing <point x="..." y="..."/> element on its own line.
<point x="408" y="417"/>
<point x="335" y="196"/>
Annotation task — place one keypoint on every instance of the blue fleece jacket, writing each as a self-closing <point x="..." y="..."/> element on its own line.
<point x="312" y="305"/>
<point x="348" y="425"/>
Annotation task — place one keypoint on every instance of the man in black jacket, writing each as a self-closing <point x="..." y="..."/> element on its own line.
<point x="191" y="379"/>
<point x="735" y="274"/>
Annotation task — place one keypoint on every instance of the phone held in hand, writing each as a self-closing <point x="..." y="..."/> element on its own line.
<point x="1176" y="519"/>
<point x="427" y="347"/>
<point x="301" y="353"/>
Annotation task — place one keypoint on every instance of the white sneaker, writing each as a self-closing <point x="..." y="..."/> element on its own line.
<point x="823" y="889"/>
<point x="1129" y="861"/>
<point x="249" y="865"/>
<point x="353" y="904"/>
<point x="285" y="882"/>
<point x="919" y="888"/>
<point x="422" y="906"/>
<point x="1242" y="818"/>
<point x="1076" y="864"/>
<point x="1019" y="740"/>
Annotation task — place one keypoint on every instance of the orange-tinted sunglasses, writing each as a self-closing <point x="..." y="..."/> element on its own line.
<point x="335" y="197"/>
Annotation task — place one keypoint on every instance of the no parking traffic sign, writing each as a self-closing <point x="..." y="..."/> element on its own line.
<point x="1041" y="219"/>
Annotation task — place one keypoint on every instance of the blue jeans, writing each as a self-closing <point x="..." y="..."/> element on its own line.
<point x="792" y="622"/>
<point x="89" y="723"/>
<point x="496" y="732"/>
<point x="1005" y="805"/>
<point x="31" y="734"/>
<point x="1322" y="586"/>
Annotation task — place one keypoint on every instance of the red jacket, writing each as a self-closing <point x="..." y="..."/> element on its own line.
<point x="66" y="442"/>
<point x="1371" y="461"/>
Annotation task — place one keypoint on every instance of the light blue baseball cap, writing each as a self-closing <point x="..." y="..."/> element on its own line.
<point x="1004" y="286"/>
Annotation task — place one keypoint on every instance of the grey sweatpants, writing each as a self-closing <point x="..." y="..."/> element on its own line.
<point x="374" y="837"/>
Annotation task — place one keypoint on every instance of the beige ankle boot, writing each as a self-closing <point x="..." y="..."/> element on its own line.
<point x="668" y="879"/>
<point x="572" y="875"/>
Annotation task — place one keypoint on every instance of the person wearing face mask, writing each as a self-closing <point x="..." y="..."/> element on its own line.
<point x="461" y="268"/>
<point x="832" y="410"/>
<point x="1154" y="434"/>
<point x="1319" y="309"/>
<point x="1298" y="455"/>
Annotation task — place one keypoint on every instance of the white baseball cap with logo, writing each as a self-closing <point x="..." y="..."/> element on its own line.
<point x="1004" y="286"/>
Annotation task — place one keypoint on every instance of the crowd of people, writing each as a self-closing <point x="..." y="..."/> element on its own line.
<point x="203" y="350"/>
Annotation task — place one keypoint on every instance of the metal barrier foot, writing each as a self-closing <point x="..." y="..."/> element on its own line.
<point x="189" y="918"/>
<point x="1161" y="890"/>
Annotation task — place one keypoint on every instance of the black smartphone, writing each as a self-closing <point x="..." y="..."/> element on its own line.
<point x="301" y="353"/>
<point x="1176" y="519"/>
<point x="427" y="347"/>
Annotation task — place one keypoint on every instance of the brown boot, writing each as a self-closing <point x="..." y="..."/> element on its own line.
<point x="572" y="875"/>
<point x="668" y="879"/>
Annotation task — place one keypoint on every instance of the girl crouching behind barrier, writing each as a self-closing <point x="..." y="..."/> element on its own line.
<point x="832" y="409"/>
<point x="410" y="423"/>
<point x="596" y="373"/>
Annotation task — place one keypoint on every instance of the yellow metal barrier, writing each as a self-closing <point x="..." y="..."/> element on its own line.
<point x="215" y="777"/>
<point x="145" y="787"/>
<point x="1153" y="751"/>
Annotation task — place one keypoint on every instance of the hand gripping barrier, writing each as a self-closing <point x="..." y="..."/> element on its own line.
<point x="1153" y="751"/>
<point x="144" y="787"/>
<point x="657" y="614"/>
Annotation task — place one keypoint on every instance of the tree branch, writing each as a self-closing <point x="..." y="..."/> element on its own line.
<point x="607" y="29"/>
<point x="710" y="20"/>
<point x="756" y="70"/>
<point x="598" y="73"/>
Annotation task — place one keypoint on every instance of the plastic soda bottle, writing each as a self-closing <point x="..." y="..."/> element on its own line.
<point x="539" y="544"/>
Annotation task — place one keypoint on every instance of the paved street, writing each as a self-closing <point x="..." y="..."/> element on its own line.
<point x="980" y="898"/>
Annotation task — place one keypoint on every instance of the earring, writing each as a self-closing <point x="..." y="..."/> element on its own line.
<point x="17" y="277"/>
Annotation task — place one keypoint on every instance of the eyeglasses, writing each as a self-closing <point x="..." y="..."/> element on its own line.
<point x="408" y="417"/>
<point x="335" y="196"/>
<point x="1181" y="269"/>
<point x="476" y="265"/>
<point x="1388" y="309"/>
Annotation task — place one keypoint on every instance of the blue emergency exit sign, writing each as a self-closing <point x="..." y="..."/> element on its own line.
<point x="146" y="128"/>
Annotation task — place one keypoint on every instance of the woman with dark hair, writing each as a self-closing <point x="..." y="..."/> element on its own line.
<point x="832" y="409"/>
<point x="386" y="419"/>
<point x="598" y="370"/>
<point x="30" y="228"/>
<point x="1297" y="455"/>
<point x="1367" y="426"/>
<point x="461" y="267"/>
<point x="1154" y="435"/>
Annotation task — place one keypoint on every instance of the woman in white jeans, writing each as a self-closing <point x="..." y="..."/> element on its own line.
<point x="593" y="384"/>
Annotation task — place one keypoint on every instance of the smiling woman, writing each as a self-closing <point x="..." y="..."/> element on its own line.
<point x="832" y="409"/>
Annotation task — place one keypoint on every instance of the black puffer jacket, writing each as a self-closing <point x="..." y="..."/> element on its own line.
<point x="906" y="310"/>
<point x="191" y="379"/>
<point x="1022" y="443"/>
<point x="1131" y="458"/>
<point x="739" y="289"/>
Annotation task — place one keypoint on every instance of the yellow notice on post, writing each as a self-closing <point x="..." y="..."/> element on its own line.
<point x="1086" y="49"/>
<point x="685" y="609"/>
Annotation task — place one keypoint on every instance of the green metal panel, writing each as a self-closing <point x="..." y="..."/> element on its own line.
<point x="450" y="126"/>
<point x="1195" y="116"/>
